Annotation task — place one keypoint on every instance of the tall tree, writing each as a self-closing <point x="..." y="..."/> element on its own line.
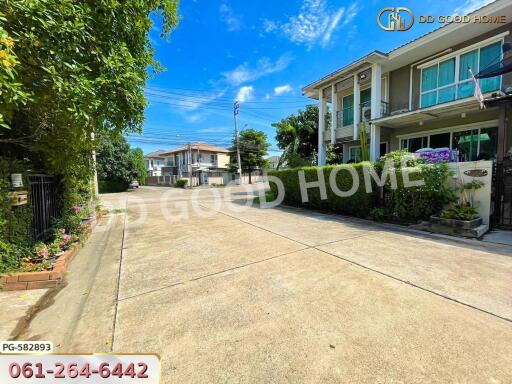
<point x="253" y="148"/>
<point x="299" y="131"/>
<point x="69" y="69"/>
<point x="117" y="162"/>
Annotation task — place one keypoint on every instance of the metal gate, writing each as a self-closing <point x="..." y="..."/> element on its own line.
<point x="503" y="195"/>
<point x="45" y="203"/>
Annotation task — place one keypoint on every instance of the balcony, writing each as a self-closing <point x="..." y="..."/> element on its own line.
<point x="365" y="110"/>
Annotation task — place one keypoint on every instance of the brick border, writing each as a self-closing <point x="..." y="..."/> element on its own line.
<point x="43" y="279"/>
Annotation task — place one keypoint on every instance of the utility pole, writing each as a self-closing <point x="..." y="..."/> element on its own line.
<point x="236" y="109"/>
<point x="189" y="165"/>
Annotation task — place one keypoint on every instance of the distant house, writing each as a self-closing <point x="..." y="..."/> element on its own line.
<point x="154" y="162"/>
<point x="201" y="159"/>
<point x="273" y="162"/>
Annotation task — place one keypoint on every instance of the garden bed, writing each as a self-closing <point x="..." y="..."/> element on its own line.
<point x="47" y="278"/>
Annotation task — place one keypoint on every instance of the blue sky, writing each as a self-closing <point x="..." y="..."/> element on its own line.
<point x="262" y="53"/>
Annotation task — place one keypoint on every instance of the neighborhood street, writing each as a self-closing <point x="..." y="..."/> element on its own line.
<point x="242" y="294"/>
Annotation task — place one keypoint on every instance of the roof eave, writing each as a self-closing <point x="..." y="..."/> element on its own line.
<point x="371" y="58"/>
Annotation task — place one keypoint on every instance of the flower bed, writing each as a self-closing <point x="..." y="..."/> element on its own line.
<point x="47" y="266"/>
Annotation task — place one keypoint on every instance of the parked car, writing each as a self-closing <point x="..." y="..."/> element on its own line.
<point x="134" y="184"/>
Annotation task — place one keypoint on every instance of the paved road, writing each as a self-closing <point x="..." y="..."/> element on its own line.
<point x="229" y="294"/>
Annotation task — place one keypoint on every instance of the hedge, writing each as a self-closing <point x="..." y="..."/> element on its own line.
<point x="359" y="204"/>
<point x="110" y="186"/>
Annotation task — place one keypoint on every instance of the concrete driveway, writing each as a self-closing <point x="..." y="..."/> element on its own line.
<point x="233" y="294"/>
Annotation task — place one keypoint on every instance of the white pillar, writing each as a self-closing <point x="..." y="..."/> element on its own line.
<point x="376" y="90"/>
<point x="321" y="128"/>
<point x="334" y="112"/>
<point x="374" y="142"/>
<point x="357" y="110"/>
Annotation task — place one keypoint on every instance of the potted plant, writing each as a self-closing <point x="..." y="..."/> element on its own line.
<point x="461" y="218"/>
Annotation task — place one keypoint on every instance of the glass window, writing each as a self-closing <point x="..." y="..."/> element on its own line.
<point x="355" y="154"/>
<point x="438" y="82"/>
<point x="403" y="144"/>
<point x="467" y="144"/>
<point x="429" y="79"/>
<point x="446" y="72"/>
<point x="441" y="140"/>
<point x="446" y="94"/>
<point x="488" y="56"/>
<point x="428" y="99"/>
<point x="417" y="143"/>
<point x="366" y="97"/>
<point x="348" y="110"/>
<point x="466" y="89"/>
<point x="488" y="144"/>
<point x="468" y="60"/>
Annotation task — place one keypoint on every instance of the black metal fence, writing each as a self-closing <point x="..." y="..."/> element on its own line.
<point x="45" y="203"/>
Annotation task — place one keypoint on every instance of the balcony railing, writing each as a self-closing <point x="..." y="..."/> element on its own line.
<point x="365" y="110"/>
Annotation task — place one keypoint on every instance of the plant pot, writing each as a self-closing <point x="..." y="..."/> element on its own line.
<point x="466" y="228"/>
<point x="455" y="223"/>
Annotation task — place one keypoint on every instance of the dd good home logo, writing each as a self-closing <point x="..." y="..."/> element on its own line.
<point x="395" y="19"/>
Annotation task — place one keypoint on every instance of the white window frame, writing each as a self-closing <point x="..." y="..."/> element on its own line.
<point x="457" y="55"/>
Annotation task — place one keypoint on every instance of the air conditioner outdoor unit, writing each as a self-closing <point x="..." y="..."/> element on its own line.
<point x="366" y="114"/>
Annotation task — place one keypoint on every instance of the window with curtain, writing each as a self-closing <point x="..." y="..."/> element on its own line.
<point x="439" y="84"/>
<point x="488" y="56"/>
<point x="348" y="110"/>
<point x="366" y="97"/>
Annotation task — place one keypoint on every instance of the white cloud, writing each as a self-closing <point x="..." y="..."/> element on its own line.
<point x="314" y="24"/>
<point x="269" y="25"/>
<point x="245" y="93"/>
<point x="192" y="102"/>
<point x="282" y="89"/>
<point x="470" y="6"/>
<point x="244" y="73"/>
<point x="233" y="22"/>
<point x="214" y="130"/>
<point x="194" y="118"/>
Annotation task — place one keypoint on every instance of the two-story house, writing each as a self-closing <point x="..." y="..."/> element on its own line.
<point x="154" y="162"/>
<point x="421" y="94"/>
<point x="200" y="159"/>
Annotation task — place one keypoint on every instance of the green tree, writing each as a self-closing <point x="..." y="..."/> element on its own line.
<point x="297" y="134"/>
<point x="117" y="164"/>
<point x="70" y="69"/>
<point x="253" y="149"/>
<point x="138" y="161"/>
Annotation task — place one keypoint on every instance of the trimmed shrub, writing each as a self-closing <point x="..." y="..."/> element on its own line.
<point x="111" y="186"/>
<point x="181" y="183"/>
<point x="359" y="204"/>
<point x="416" y="203"/>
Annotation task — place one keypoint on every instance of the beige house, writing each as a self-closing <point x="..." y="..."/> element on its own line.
<point x="420" y="96"/>
<point x="154" y="162"/>
<point x="198" y="159"/>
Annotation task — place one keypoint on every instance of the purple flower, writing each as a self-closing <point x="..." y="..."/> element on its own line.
<point x="67" y="238"/>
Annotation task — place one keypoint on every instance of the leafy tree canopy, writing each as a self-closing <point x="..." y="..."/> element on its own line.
<point x="117" y="162"/>
<point x="69" y="69"/>
<point x="301" y="128"/>
<point x="253" y="149"/>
